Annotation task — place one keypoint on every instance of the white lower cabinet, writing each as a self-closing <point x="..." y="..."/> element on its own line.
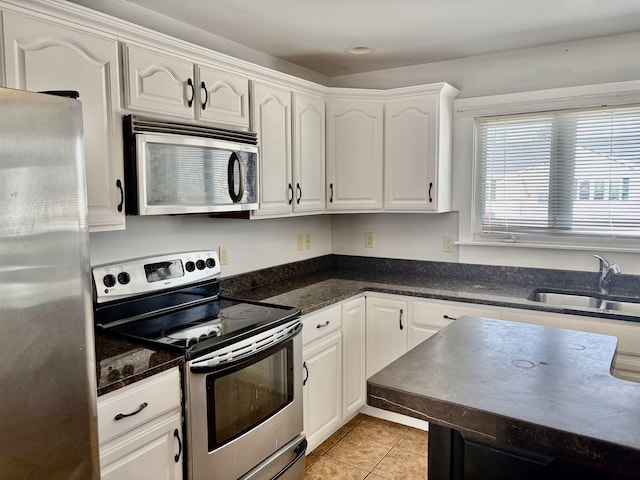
<point x="346" y="343"/>
<point x="140" y="430"/>
<point x="322" y="374"/>
<point x="396" y="324"/>
<point x="387" y="329"/>
<point x="429" y="316"/>
<point x="354" y="381"/>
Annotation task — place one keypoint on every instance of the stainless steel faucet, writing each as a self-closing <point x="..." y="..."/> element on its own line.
<point x="607" y="271"/>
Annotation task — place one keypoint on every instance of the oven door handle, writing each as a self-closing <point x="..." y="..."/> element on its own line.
<point x="300" y="450"/>
<point x="213" y="365"/>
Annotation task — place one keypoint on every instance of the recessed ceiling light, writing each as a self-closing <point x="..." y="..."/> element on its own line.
<point x="359" y="50"/>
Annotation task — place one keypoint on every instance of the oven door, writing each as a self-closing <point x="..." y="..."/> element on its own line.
<point x="244" y="403"/>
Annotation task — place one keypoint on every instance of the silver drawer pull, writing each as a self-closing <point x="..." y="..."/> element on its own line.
<point x="321" y="325"/>
<point x="447" y="317"/>
<point x="120" y="416"/>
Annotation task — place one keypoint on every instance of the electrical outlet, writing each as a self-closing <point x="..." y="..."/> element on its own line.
<point x="307" y="241"/>
<point x="300" y="239"/>
<point x="369" y="240"/>
<point x="447" y="243"/>
<point x="224" y="255"/>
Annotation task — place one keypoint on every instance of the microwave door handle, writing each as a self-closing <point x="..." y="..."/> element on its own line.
<point x="235" y="158"/>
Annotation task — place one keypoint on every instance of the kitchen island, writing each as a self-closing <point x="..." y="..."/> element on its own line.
<point x="513" y="400"/>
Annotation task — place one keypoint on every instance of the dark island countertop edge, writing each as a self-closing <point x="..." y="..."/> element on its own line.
<point x="426" y="389"/>
<point x="616" y="459"/>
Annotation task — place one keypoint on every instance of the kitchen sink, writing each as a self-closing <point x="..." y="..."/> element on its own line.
<point x="586" y="300"/>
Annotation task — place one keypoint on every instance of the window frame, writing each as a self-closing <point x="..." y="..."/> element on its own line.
<point x="618" y="94"/>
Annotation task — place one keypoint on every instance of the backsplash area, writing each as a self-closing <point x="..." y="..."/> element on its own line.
<point x="335" y="264"/>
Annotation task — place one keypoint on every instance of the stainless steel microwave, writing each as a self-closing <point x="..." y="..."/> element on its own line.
<point x="174" y="168"/>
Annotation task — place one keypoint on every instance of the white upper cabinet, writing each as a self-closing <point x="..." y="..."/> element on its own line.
<point x="415" y="126"/>
<point x="43" y="55"/>
<point x="418" y="146"/>
<point x="159" y="82"/>
<point x="354" y="152"/>
<point x="271" y="120"/>
<point x="308" y="153"/>
<point x="224" y="97"/>
<point x="290" y="127"/>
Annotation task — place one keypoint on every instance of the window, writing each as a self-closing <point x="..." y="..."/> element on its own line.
<point x="559" y="174"/>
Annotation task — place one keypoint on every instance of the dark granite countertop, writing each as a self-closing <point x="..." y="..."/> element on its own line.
<point x="319" y="282"/>
<point x="315" y="291"/>
<point x="120" y="363"/>
<point x="541" y="389"/>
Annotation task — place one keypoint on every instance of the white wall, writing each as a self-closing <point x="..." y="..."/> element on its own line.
<point x="251" y="244"/>
<point x="396" y="235"/>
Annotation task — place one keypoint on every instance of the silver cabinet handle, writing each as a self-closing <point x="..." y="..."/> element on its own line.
<point x="322" y="325"/>
<point x="400" y="319"/>
<point x="120" y="416"/>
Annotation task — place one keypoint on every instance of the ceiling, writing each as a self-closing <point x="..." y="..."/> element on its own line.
<point x="315" y="33"/>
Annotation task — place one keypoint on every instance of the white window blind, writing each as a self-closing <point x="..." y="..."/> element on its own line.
<point x="560" y="173"/>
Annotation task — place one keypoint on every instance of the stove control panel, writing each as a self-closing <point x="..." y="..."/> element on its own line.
<point x="149" y="274"/>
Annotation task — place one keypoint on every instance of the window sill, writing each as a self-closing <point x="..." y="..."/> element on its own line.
<point x="550" y="246"/>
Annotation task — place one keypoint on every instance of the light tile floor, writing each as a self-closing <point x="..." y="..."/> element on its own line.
<point x="370" y="448"/>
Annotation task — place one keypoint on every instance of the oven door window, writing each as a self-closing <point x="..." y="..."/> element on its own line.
<point x="242" y="396"/>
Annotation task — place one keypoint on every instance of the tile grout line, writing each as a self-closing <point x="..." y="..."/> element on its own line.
<point x="389" y="449"/>
<point x="388" y="452"/>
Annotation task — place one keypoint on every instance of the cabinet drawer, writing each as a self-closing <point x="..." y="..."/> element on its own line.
<point x="440" y="314"/>
<point x="160" y="393"/>
<point x="323" y="322"/>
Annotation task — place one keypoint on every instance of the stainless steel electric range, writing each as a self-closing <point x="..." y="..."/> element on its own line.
<point x="242" y="378"/>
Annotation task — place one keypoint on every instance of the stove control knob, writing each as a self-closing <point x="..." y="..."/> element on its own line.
<point x="109" y="280"/>
<point x="190" y="266"/>
<point x="211" y="262"/>
<point x="200" y="264"/>
<point x="124" y="278"/>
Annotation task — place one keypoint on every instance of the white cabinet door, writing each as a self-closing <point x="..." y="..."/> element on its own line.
<point x="152" y="453"/>
<point x="353" y="356"/>
<point x="418" y="148"/>
<point x="271" y="120"/>
<point x="322" y="388"/>
<point x="429" y="316"/>
<point x="410" y="153"/>
<point x="387" y="328"/>
<point x="354" y="154"/>
<point x="308" y="153"/>
<point x="223" y="97"/>
<point x="42" y="55"/>
<point x="140" y="430"/>
<point x="157" y="82"/>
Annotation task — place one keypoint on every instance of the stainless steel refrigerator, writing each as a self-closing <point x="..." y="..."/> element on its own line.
<point x="48" y="427"/>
